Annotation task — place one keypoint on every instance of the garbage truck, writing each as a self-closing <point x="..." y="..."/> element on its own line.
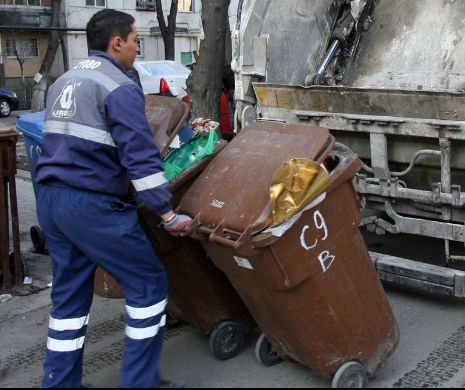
<point x="387" y="77"/>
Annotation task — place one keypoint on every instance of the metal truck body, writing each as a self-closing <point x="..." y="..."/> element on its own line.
<point x="387" y="77"/>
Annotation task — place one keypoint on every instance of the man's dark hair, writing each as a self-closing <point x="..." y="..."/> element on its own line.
<point x="106" y="24"/>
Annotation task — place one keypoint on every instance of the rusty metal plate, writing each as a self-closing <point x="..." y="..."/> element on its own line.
<point x="364" y="101"/>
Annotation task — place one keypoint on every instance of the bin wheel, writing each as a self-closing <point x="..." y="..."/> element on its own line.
<point x="265" y="353"/>
<point x="38" y="240"/>
<point x="226" y="340"/>
<point x="350" y="375"/>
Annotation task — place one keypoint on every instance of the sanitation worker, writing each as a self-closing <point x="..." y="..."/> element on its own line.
<point x="96" y="138"/>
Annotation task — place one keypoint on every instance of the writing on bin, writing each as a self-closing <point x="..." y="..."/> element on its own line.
<point x="37" y="150"/>
<point x="325" y="258"/>
<point x="217" y="203"/>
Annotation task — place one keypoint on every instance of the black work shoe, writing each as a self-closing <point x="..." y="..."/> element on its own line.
<point x="166" y="384"/>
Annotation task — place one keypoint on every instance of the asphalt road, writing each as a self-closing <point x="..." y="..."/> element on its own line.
<point x="11" y="120"/>
<point x="431" y="352"/>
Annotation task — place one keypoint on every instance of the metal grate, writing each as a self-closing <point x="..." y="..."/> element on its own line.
<point x="24" y="95"/>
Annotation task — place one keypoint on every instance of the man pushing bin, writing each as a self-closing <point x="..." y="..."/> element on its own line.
<point x="96" y="137"/>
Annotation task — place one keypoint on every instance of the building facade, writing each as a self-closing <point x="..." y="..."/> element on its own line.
<point x="29" y="45"/>
<point x="22" y="50"/>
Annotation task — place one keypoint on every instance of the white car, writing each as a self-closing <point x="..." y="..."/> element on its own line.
<point x="166" y="78"/>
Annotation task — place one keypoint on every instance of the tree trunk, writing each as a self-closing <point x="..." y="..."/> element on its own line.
<point x="19" y="59"/>
<point x="64" y="52"/>
<point x="205" y="82"/>
<point x="168" y="32"/>
<point x="39" y="89"/>
<point x="21" y="68"/>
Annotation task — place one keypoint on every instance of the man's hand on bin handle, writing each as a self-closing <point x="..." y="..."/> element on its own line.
<point x="178" y="224"/>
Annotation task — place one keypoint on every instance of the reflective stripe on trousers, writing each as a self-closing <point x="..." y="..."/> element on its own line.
<point x="79" y="226"/>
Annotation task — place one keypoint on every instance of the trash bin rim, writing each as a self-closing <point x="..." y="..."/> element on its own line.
<point x="35" y="130"/>
<point x="251" y="238"/>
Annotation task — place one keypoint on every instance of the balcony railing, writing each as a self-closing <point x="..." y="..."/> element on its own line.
<point x="39" y="17"/>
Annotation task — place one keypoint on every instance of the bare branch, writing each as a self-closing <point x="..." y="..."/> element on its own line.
<point x="161" y="18"/>
<point x="172" y="16"/>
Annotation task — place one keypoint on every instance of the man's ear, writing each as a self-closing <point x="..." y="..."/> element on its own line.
<point x="115" y="43"/>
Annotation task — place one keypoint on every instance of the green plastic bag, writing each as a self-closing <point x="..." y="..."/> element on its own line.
<point x="189" y="154"/>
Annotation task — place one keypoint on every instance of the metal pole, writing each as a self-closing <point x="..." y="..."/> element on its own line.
<point x="18" y="263"/>
<point x="328" y="57"/>
<point x="4" y="236"/>
<point x="446" y="187"/>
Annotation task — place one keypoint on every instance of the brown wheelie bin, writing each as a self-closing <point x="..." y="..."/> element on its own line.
<point x="166" y="117"/>
<point x="308" y="282"/>
<point x="199" y="293"/>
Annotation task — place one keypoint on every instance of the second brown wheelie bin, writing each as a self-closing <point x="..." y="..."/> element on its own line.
<point x="308" y="282"/>
<point x="199" y="293"/>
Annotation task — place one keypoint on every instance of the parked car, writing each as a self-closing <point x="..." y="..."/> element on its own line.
<point x="8" y="102"/>
<point x="167" y="78"/>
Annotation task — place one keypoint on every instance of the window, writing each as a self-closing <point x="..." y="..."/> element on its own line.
<point x="96" y="3"/>
<point x="145" y="5"/>
<point x="140" y="43"/>
<point x="185" y="6"/>
<point x="27" y="47"/>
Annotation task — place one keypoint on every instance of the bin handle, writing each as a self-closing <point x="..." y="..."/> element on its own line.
<point x="200" y="231"/>
<point x="214" y="235"/>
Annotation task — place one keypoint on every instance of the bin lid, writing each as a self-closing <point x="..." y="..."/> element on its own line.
<point x="234" y="190"/>
<point x="166" y="117"/>
<point x="31" y="125"/>
<point x="7" y="133"/>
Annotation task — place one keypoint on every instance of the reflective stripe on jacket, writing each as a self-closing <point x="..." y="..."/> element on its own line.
<point x="96" y="135"/>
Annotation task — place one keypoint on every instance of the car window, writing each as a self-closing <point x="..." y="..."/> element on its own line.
<point x="160" y="69"/>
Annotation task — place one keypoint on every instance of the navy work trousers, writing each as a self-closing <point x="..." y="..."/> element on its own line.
<point x="84" y="230"/>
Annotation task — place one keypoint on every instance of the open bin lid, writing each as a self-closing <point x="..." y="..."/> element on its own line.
<point x="166" y="116"/>
<point x="234" y="190"/>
